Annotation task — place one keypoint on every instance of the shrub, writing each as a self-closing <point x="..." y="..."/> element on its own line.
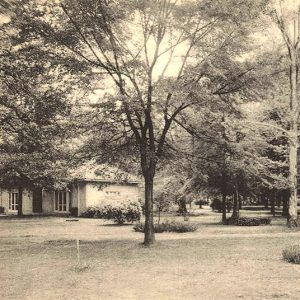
<point x="142" y="205"/>
<point x="89" y="213"/>
<point x="255" y="208"/>
<point x="2" y="209"/>
<point x="292" y="254"/>
<point x="181" y="206"/>
<point x="216" y="204"/>
<point x="168" y="227"/>
<point x="201" y="202"/>
<point x="140" y="227"/>
<point x="249" y="221"/>
<point x="74" y="211"/>
<point x="119" y="212"/>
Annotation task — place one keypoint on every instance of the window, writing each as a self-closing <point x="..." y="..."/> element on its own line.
<point x="13" y="199"/>
<point x="61" y="199"/>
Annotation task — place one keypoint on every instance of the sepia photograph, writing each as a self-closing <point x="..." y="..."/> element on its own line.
<point x="149" y="149"/>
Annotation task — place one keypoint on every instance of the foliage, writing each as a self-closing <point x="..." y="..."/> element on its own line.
<point x="292" y="254"/>
<point x="217" y="205"/>
<point x="168" y="226"/>
<point x="166" y="189"/>
<point x="120" y="212"/>
<point x="134" y="46"/>
<point x="151" y="99"/>
<point x="254" y="208"/>
<point x="182" y="210"/>
<point x="35" y="108"/>
<point x="89" y="213"/>
<point x="231" y="143"/>
<point x="249" y="221"/>
<point x="286" y="19"/>
<point x="74" y="211"/>
<point x="201" y="202"/>
<point x="163" y="203"/>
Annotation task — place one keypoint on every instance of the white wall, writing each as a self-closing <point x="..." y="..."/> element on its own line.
<point x="89" y="194"/>
<point x="96" y="196"/>
<point x="26" y="205"/>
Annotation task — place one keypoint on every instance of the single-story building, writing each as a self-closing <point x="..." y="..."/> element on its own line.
<point x="85" y="192"/>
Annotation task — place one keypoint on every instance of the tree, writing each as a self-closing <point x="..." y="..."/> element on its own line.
<point x="34" y="108"/>
<point x="231" y="157"/>
<point x="167" y="189"/>
<point x="281" y="16"/>
<point x="136" y="44"/>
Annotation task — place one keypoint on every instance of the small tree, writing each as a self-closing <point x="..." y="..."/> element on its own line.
<point x="163" y="202"/>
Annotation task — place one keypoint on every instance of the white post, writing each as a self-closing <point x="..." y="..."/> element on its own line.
<point x="78" y="251"/>
<point x="78" y="204"/>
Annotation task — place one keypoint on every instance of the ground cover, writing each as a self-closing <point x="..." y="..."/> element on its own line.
<point x="38" y="259"/>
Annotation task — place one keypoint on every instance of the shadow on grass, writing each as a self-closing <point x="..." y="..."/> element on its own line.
<point x="115" y="225"/>
<point x="192" y="214"/>
<point x="14" y="217"/>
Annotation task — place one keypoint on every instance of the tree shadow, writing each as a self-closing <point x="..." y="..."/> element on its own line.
<point x="115" y="225"/>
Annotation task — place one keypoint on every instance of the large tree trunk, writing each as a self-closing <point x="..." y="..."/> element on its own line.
<point x="236" y="211"/>
<point x="149" y="237"/>
<point x="159" y="210"/>
<point x="292" y="210"/>
<point x="291" y="39"/>
<point x="279" y="199"/>
<point x="20" y="202"/>
<point x="285" y="201"/>
<point x="224" y="195"/>
<point x="272" y="202"/>
<point x="224" y="218"/>
<point x="266" y="201"/>
<point x="292" y="220"/>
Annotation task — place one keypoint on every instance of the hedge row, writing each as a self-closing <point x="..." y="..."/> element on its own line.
<point x="168" y="226"/>
<point x="119" y="212"/>
<point x="249" y="221"/>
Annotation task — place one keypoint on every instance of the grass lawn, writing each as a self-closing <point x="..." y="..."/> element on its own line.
<point x="38" y="260"/>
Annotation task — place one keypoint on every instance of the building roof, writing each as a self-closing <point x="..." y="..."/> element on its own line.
<point x="92" y="172"/>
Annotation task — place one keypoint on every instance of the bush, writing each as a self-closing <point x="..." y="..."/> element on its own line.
<point x="255" y="208"/>
<point x="140" y="227"/>
<point x="74" y="211"/>
<point x="292" y="254"/>
<point x="168" y="227"/>
<point x="2" y="209"/>
<point x="201" y="202"/>
<point x="89" y="213"/>
<point x="119" y="212"/>
<point x="216" y="204"/>
<point x="248" y="221"/>
<point x="181" y="206"/>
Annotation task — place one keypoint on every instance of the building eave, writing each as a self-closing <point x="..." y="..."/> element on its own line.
<point x="103" y="180"/>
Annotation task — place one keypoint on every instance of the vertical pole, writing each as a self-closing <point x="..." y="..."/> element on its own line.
<point x="78" y="204"/>
<point x="78" y="251"/>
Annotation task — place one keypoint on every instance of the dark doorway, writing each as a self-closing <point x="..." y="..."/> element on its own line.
<point x="37" y="200"/>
